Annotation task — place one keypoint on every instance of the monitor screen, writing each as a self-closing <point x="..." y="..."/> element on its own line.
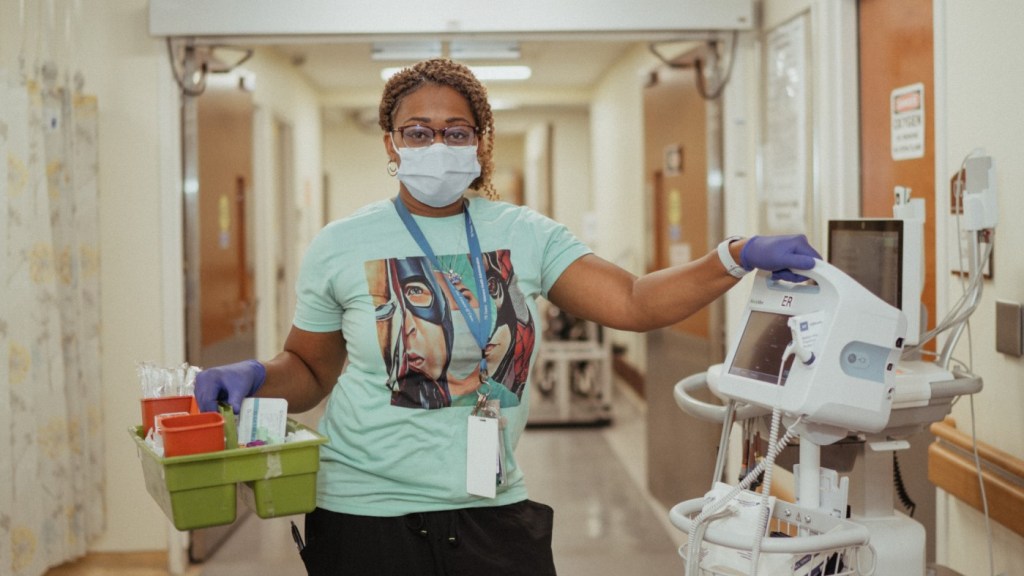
<point x="758" y="355"/>
<point x="870" y="252"/>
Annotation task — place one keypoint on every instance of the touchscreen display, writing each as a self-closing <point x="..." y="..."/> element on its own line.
<point x="870" y="252"/>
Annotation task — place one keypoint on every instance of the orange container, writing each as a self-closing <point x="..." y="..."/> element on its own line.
<point x="153" y="406"/>
<point x="157" y="420"/>
<point x="193" y="434"/>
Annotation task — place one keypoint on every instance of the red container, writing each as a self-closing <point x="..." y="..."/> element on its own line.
<point x="193" y="434"/>
<point x="153" y="406"/>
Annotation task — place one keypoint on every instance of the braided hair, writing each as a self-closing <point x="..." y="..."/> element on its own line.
<point x="445" y="72"/>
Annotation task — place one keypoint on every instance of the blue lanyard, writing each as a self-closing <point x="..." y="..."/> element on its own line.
<point x="480" y="324"/>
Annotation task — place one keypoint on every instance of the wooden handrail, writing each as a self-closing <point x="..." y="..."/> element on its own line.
<point x="948" y="431"/>
<point x="951" y="467"/>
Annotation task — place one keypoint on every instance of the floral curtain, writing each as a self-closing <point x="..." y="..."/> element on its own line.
<point x="51" y="441"/>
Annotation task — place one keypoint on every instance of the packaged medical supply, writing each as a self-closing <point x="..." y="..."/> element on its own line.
<point x="262" y="419"/>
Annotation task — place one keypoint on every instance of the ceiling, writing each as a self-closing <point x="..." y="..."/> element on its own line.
<point x="564" y="72"/>
<point x="569" y="50"/>
<point x="555" y="64"/>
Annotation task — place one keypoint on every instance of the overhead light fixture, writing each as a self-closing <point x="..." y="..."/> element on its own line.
<point x="412" y="50"/>
<point x="503" y="104"/>
<point x="482" y="73"/>
<point x="483" y="50"/>
<point x="459" y="49"/>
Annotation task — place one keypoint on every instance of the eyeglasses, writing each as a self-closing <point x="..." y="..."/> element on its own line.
<point x="417" y="136"/>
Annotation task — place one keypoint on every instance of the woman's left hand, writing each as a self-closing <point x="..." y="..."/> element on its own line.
<point x="779" y="255"/>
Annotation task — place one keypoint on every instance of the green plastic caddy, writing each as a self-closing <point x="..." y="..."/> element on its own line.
<point x="199" y="490"/>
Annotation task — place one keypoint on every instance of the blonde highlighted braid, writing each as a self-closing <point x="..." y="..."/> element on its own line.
<point x="445" y="72"/>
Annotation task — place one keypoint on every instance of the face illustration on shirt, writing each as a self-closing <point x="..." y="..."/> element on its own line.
<point x="388" y="316"/>
<point x="427" y="323"/>
<point x="413" y="331"/>
<point x="429" y="353"/>
<point x="512" y="340"/>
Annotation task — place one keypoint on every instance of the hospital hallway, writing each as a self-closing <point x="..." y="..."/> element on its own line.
<point x="605" y="522"/>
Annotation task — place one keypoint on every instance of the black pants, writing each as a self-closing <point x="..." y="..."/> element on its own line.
<point x="513" y="540"/>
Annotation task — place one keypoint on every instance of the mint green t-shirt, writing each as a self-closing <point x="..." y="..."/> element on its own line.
<point x="396" y="420"/>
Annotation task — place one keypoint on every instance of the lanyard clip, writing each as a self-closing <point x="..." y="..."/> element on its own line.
<point x="480" y="409"/>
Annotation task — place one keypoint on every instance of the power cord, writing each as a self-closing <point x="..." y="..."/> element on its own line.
<point x="958" y="319"/>
<point x="901" y="490"/>
<point x="722" y="78"/>
<point x="766" y="487"/>
<point x="712" y="510"/>
<point x="984" y="497"/>
<point x="773" y="452"/>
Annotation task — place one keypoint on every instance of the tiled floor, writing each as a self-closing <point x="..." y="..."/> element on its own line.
<point x="605" y="524"/>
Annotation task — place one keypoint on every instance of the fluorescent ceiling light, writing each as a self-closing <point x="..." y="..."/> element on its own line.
<point x="406" y="50"/>
<point x="483" y="50"/>
<point x="483" y="73"/>
<point x="458" y="49"/>
<point x="500" y="104"/>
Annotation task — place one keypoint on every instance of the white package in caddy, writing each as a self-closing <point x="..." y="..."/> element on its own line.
<point x="262" y="419"/>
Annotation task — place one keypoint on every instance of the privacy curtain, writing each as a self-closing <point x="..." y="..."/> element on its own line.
<point x="51" y="442"/>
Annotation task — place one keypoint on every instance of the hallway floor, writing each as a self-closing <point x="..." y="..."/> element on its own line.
<point x="605" y="523"/>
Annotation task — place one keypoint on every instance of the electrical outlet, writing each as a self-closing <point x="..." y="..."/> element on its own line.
<point x="1009" y="331"/>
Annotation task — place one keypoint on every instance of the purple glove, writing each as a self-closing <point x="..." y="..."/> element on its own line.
<point x="779" y="255"/>
<point x="233" y="382"/>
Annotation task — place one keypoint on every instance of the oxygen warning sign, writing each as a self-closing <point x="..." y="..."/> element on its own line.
<point x="907" y="107"/>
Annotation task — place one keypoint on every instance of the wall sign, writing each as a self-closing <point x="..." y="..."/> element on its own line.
<point x="673" y="160"/>
<point x="787" y="115"/>
<point x="906" y="105"/>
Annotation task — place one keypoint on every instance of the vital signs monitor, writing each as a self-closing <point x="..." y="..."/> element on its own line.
<point x="825" y="350"/>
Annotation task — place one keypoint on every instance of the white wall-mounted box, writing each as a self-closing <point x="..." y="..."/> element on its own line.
<point x="284" y="18"/>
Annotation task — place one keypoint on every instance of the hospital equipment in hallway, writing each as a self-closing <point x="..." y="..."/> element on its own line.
<point x="834" y="361"/>
<point x="825" y="358"/>
<point x="572" y="376"/>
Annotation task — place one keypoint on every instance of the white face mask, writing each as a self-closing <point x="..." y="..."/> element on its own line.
<point x="438" y="174"/>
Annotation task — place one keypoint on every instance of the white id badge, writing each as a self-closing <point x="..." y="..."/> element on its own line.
<point x="482" y="456"/>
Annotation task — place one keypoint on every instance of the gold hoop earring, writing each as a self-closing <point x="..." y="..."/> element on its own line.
<point x="392" y="168"/>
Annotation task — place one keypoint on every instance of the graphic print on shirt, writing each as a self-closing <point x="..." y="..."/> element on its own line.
<point x="431" y="357"/>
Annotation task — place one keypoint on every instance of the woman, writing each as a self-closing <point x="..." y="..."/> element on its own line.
<point x="406" y="486"/>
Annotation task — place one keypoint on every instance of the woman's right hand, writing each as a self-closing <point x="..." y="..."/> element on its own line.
<point x="231" y="383"/>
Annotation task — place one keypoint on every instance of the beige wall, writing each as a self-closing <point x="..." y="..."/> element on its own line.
<point x="283" y="94"/>
<point x="570" y="156"/>
<point x="983" y="85"/>
<point x="355" y="160"/>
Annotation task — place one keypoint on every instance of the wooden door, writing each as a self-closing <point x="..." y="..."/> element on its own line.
<point x="227" y="303"/>
<point x="896" y="52"/>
